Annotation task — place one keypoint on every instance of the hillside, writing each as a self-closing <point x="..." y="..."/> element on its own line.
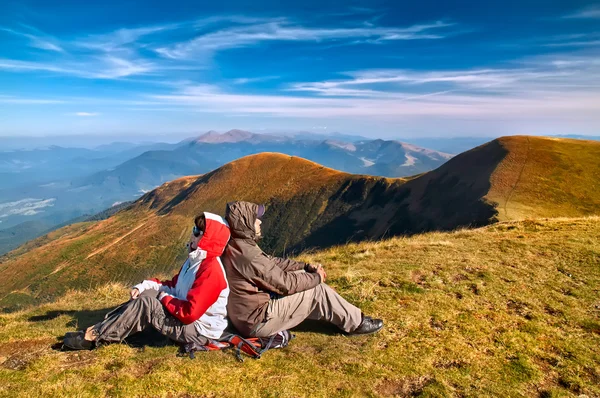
<point x="509" y="178"/>
<point x="508" y="310"/>
<point x="549" y="177"/>
<point x="149" y="236"/>
<point x="310" y="206"/>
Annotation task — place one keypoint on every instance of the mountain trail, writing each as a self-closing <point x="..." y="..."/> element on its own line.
<point x="114" y="242"/>
<point x="518" y="178"/>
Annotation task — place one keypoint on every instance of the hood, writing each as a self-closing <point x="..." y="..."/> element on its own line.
<point x="215" y="237"/>
<point x="241" y="217"/>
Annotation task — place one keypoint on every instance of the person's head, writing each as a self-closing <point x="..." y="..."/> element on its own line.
<point x="197" y="231"/>
<point x="244" y="219"/>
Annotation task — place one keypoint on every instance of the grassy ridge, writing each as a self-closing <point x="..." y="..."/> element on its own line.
<point x="506" y="310"/>
<point x="546" y="177"/>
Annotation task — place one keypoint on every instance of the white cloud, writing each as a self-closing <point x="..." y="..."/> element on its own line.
<point x="25" y="207"/>
<point x="120" y="38"/>
<point x="32" y="101"/>
<point x="247" y="80"/>
<point x="592" y="12"/>
<point x="544" y="87"/>
<point x="575" y="43"/>
<point x="403" y="83"/>
<point x="42" y="42"/>
<point x="151" y="51"/>
<point x="282" y="30"/>
<point x="86" y="114"/>
<point x="101" y="67"/>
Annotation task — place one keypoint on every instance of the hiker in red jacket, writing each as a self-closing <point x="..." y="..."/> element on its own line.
<point x="190" y="308"/>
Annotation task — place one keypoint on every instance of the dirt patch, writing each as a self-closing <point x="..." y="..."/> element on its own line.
<point x="520" y="308"/>
<point x="18" y="354"/>
<point x="418" y="278"/>
<point x="437" y="324"/>
<point x="147" y="367"/>
<point x="553" y="311"/>
<point x="73" y="359"/>
<point x="450" y="363"/>
<point x="406" y="387"/>
<point x="15" y="347"/>
<point x="474" y="288"/>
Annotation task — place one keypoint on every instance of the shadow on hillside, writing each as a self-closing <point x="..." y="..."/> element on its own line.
<point x="85" y="318"/>
<point x="450" y="197"/>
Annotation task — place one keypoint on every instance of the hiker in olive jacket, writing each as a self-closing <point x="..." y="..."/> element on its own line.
<point x="270" y="294"/>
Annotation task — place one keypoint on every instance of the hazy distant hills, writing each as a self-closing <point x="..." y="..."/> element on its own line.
<point x="210" y="150"/>
<point x="51" y="186"/>
<point x="310" y="205"/>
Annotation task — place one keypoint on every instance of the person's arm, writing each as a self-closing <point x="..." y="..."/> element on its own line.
<point x="162" y="286"/>
<point x="267" y="275"/>
<point x="204" y="292"/>
<point x="287" y="264"/>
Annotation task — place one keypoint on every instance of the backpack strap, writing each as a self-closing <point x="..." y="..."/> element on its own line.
<point x="250" y="346"/>
<point x="254" y="347"/>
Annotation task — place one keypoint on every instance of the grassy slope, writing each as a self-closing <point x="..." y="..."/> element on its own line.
<point x="149" y="237"/>
<point x="546" y="177"/>
<point x="506" y="310"/>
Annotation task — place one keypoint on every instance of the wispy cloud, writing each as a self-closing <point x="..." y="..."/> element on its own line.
<point x="537" y="87"/>
<point x="101" y="67"/>
<point x="576" y="40"/>
<point x="283" y="30"/>
<point x="248" y="80"/>
<point x="576" y="43"/>
<point x="25" y="207"/>
<point x="39" y="40"/>
<point x="396" y="81"/>
<point x="7" y="99"/>
<point x="592" y="12"/>
<point x="86" y="114"/>
<point x="120" y="39"/>
<point x="157" y="49"/>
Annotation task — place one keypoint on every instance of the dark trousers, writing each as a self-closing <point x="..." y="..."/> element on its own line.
<point x="145" y="311"/>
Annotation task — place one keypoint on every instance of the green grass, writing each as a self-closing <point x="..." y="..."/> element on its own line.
<point x="508" y="310"/>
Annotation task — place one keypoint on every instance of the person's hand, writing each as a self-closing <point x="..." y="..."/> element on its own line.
<point x="313" y="267"/>
<point x="322" y="274"/>
<point x="134" y="293"/>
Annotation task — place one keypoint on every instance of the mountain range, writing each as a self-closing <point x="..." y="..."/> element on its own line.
<point x="311" y="206"/>
<point x="48" y="187"/>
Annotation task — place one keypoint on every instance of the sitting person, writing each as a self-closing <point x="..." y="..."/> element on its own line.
<point x="190" y="308"/>
<point x="270" y="294"/>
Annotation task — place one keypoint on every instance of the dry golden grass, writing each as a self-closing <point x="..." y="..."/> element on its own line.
<point x="508" y="310"/>
<point x="546" y="177"/>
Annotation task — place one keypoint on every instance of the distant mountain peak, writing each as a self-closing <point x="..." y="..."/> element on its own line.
<point x="214" y="137"/>
<point x="341" y="144"/>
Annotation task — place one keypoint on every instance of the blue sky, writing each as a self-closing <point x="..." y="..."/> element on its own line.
<point x="375" y="68"/>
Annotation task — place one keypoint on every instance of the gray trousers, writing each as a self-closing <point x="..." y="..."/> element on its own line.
<point x="145" y="311"/>
<point x="319" y="303"/>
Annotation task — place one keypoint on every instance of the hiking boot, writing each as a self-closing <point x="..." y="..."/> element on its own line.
<point x="78" y="342"/>
<point x="368" y="326"/>
<point x="73" y="334"/>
